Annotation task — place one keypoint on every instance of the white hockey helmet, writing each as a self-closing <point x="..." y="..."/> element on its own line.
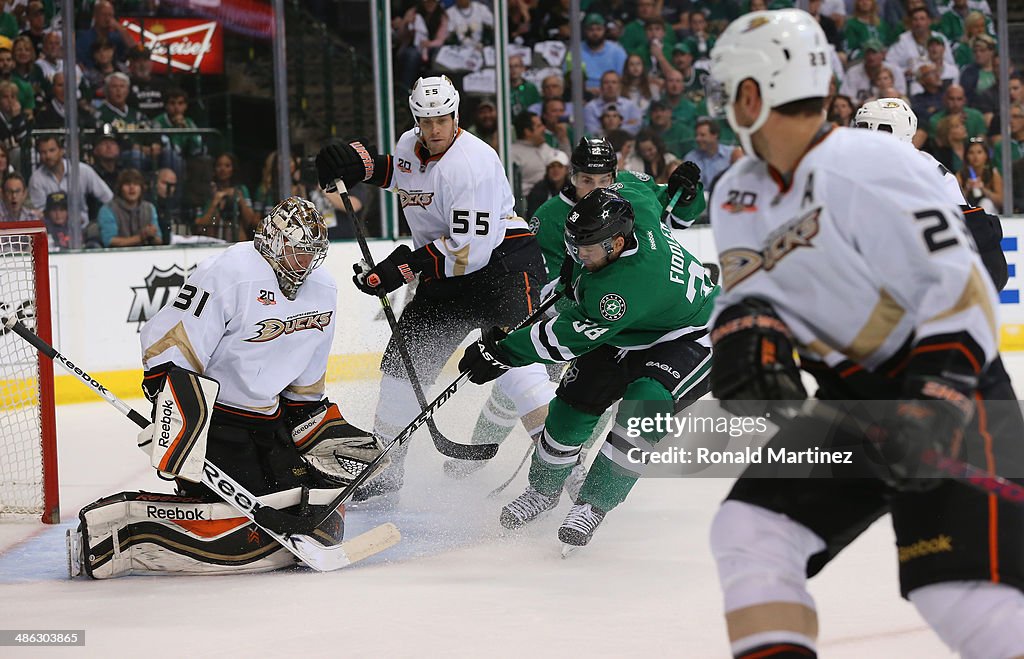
<point x="889" y="115"/>
<point x="293" y="240"/>
<point x="435" y="96"/>
<point x="784" y="51"/>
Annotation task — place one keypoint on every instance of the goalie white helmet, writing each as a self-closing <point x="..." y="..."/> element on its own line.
<point x="785" y="52"/>
<point x="889" y="115"/>
<point x="293" y="240"/>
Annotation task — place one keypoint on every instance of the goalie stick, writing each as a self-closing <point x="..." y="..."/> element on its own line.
<point x="427" y="412"/>
<point x="303" y="545"/>
<point x="444" y="445"/>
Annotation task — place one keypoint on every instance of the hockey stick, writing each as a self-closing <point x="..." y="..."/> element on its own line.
<point x="955" y="469"/>
<point x="501" y="488"/>
<point x="427" y="412"/>
<point x="444" y="445"/>
<point x="305" y="547"/>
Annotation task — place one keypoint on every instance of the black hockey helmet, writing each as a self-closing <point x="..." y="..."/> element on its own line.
<point x="596" y="220"/>
<point x="594" y="155"/>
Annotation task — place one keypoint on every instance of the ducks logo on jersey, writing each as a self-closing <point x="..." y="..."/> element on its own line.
<point x="271" y="328"/>
<point x="421" y="199"/>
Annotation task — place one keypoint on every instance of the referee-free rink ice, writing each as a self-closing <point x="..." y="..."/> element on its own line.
<point x="456" y="585"/>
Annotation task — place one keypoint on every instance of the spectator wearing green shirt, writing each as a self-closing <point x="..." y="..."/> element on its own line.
<point x="677" y="137"/>
<point x="866" y="24"/>
<point x="684" y="111"/>
<point x="700" y="40"/>
<point x="524" y="92"/>
<point x="1016" y="140"/>
<point x="26" y="97"/>
<point x="954" y="101"/>
<point x="634" y="34"/>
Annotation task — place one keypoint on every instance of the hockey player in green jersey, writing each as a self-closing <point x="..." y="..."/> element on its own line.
<point x="636" y="330"/>
<point x="594" y="165"/>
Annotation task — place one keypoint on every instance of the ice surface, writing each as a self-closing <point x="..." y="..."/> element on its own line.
<point x="454" y="587"/>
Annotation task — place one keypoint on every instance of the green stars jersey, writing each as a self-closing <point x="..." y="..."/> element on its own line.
<point x="549" y="221"/>
<point x="655" y="291"/>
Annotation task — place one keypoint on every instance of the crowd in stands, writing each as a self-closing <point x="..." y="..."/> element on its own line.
<point x="148" y="173"/>
<point x="644" y="65"/>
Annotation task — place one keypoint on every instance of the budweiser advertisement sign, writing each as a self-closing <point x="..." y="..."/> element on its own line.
<point x="181" y="45"/>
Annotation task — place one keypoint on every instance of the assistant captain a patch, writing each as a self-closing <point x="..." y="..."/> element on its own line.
<point x="612" y="306"/>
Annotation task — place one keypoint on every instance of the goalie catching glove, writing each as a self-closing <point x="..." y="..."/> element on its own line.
<point x="182" y="409"/>
<point x="334" y="448"/>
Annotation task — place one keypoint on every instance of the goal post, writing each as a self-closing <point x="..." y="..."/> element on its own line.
<point x="28" y="445"/>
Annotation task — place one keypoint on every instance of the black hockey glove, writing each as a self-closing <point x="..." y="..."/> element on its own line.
<point x="484" y="359"/>
<point x="353" y="163"/>
<point x="753" y="361"/>
<point x="935" y="406"/>
<point x="393" y="272"/>
<point x="685" y="177"/>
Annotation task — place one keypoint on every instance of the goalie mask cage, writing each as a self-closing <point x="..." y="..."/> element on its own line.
<point x="28" y="448"/>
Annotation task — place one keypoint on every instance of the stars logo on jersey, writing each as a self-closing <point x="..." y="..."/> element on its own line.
<point x="271" y="328"/>
<point x="612" y="306"/>
<point x="421" y="199"/>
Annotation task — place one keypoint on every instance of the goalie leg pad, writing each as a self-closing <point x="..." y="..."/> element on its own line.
<point x="332" y="446"/>
<point x="183" y="408"/>
<point x="144" y="533"/>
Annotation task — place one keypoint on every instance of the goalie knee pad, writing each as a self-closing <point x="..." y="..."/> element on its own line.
<point x="144" y="533"/>
<point x="337" y="450"/>
<point x="977" y="620"/>
<point x="762" y="567"/>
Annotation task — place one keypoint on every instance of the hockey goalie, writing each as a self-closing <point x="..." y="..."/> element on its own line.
<point x="235" y="369"/>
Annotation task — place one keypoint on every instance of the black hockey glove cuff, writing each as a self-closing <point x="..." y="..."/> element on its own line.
<point x="397" y="270"/>
<point x="936" y="404"/>
<point x="685" y="179"/>
<point x="353" y="163"/>
<point x="485" y="360"/>
<point x="753" y="360"/>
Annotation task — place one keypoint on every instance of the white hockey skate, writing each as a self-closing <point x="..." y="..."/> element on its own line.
<point x="579" y="526"/>
<point x="76" y="555"/>
<point x="528" y="506"/>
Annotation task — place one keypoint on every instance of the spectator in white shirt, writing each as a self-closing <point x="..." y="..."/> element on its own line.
<point x="530" y="152"/>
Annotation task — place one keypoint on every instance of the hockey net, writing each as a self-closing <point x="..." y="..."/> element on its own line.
<point x="28" y="455"/>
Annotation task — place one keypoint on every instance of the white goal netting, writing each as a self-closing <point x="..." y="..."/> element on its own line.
<point x="22" y="443"/>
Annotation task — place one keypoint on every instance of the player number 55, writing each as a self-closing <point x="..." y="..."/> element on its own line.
<point x="461" y="222"/>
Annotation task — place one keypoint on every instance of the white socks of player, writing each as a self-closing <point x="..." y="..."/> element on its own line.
<point x="580" y="524"/>
<point x="574" y="481"/>
<point x="527" y="507"/>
